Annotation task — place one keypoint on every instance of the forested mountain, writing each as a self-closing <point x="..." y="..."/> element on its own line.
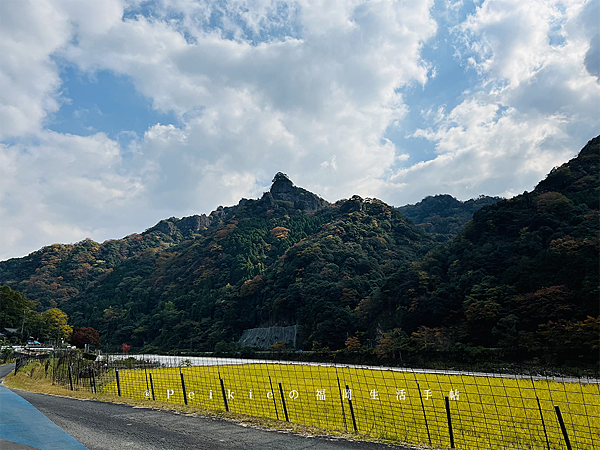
<point x="59" y="272"/>
<point x="519" y="281"/>
<point x="196" y="281"/>
<point x="267" y="264"/>
<point x="522" y="276"/>
<point x="443" y="216"/>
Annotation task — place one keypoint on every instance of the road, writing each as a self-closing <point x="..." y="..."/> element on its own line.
<point x="6" y="369"/>
<point x="107" y="426"/>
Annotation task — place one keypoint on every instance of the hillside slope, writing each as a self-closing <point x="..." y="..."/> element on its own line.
<point x="443" y="216"/>
<point x="196" y="281"/>
<point x="522" y="277"/>
<point x="520" y="280"/>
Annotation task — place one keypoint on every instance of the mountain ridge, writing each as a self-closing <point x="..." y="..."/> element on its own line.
<point x="356" y="268"/>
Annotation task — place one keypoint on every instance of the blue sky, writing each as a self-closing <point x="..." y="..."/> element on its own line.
<point x="115" y="114"/>
<point x="103" y="102"/>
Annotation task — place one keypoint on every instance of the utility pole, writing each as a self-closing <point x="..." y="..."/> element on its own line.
<point x="57" y="333"/>
<point x="23" y="324"/>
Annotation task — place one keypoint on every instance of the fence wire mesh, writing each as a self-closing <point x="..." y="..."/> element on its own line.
<point x="436" y="408"/>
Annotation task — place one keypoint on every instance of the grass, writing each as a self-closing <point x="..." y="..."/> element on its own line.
<point x="388" y="406"/>
<point x="486" y="412"/>
<point x="33" y="378"/>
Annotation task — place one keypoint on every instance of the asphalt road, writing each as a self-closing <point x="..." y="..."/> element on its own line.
<point x="6" y="369"/>
<point x="107" y="426"/>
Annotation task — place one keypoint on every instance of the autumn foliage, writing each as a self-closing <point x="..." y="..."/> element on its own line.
<point x="85" y="335"/>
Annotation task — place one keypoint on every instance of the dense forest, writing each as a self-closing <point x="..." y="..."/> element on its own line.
<point x="16" y="311"/>
<point x="443" y="216"/>
<point x="517" y="282"/>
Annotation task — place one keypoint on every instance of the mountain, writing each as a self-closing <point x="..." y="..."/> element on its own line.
<point x="59" y="272"/>
<point x="201" y="280"/>
<point x="443" y="216"/>
<point x="522" y="277"/>
<point x="518" y="282"/>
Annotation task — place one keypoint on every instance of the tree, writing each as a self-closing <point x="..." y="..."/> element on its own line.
<point x="353" y="344"/>
<point x="392" y="344"/>
<point x="13" y="307"/>
<point x="6" y="352"/>
<point x="432" y="339"/>
<point x="125" y="348"/>
<point x="85" y="335"/>
<point x="56" y="323"/>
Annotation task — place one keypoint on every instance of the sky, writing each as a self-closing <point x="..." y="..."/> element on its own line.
<point x="115" y="114"/>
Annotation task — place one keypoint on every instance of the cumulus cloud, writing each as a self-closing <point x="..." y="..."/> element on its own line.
<point x="30" y="31"/>
<point x="252" y="106"/>
<point x="274" y="86"/>
<point x="535" y="106"/>
<point x="491" y="150"/>
<point x="60" y="186"/>
<point x="261" y="86"/>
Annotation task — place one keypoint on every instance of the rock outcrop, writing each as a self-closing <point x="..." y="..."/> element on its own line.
<point x="284" y="190"/>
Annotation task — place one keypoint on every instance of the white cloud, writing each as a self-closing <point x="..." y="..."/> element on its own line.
<point x="60" y="187"/>
<point x="308" y="88"/>
<point x="484" y="150"/>
<point x="277" y="86"/>
<point x="256" y="107"/>
<point x="30" y="31"/>
<point x="535" y="107"/>
<point x="508" y="39"/>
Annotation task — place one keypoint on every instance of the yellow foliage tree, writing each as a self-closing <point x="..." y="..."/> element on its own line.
<point x="56" y="322"/>
<point x="353" y="344"/>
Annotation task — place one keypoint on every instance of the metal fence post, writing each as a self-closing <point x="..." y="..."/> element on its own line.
<point x="183" y="388"/>
<point x="152" y="387"/>
<point x="70" y="376"/>
<point x="349" y="395"/>
<point x="274" y="401"/>
<point x="543" y="423"/>
<point x="224" y="396"/>
<point x="342" y="403"/>
<point x="283" y="401"/>
<point x="449" y="422"/>
<point x="562" y="426"/>
<point x="118" y="382"/>
<point x="424" y="415"/>
<point x="93" y="380"/>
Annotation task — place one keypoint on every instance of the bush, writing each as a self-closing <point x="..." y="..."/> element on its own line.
<point x="89" y="356"/>
<point x="6" y="353"/>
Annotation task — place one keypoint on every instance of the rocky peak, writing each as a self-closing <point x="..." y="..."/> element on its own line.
<point x="282" y="188"/>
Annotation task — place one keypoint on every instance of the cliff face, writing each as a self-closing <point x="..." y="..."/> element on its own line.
<point x="188" y="224"/>
<point x="284" y="190"/>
